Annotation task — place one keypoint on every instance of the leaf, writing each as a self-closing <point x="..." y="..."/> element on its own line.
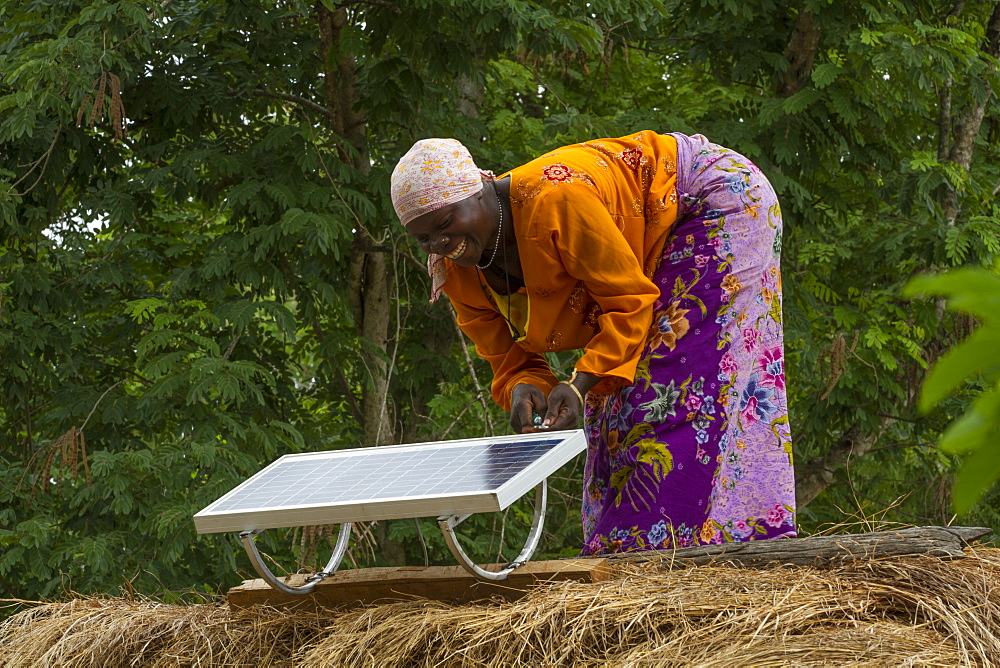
<point x="165" y="363"/>
<point x="923" y="161"/>
<point x="205" y="344"/>
<point x="978" y="473"/>
<point x="282" y="195"/>
<point x="215" y="266"/>
<point x="289" y="432"/>
<point x="800" y="101"/>
<point x="281" y="315"/>
<point x="844" y="105"/>
<point x="825" y="74"/>
<point x="294" y="220"/>
<point x="974" y="291"/>
<point x="156" y="340"/>
<point x="143" y="309"/>
<point x="956" y="244"/>
<point x="239" y="313"/>
<point x="242" y="193"/>
<point x="278" y="137"/>
<point x="977" y="428"/>
<point x="979" y="354"/>
<point x="21" y="123"/>
<point x="586" y="35"/>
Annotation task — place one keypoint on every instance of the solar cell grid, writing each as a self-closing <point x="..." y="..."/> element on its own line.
<point x="475" y="475"/>
<point x="414" y="472"/>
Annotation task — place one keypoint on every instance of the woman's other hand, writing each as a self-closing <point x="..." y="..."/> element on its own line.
<point x="565" y="403"/>
<point x="564" y="409"/>
<point x="526" y="401"/>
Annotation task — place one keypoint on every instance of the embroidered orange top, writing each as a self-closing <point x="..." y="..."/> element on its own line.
<point x="590" y="221"/>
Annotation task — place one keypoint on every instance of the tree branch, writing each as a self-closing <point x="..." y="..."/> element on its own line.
<point x="301" y="101"/>
<point x="375" y="3"/>
<point x="43" y="160"/>
<point x="818" y="474"/>
<point x="352" y="402"/>
<point x="480" y="393"/>
<point x="98" y="402"/>
<point x="820" y="551"/>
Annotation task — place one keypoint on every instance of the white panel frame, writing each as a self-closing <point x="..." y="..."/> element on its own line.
<point x="574" y="442"/>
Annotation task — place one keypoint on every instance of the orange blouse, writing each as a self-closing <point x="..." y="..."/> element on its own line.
<point x="590" y="220"/>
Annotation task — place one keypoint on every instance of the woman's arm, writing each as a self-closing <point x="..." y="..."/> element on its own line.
<point x="578" y="232"/>
<point x="512" y="365"/>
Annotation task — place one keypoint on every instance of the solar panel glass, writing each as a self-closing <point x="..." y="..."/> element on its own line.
<point x="394" y="481"/>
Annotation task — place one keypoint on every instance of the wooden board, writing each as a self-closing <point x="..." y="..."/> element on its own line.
<point x="440" y="583"/>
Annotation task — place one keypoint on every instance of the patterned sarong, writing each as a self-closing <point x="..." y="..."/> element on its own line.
<point x="698" y="450"/>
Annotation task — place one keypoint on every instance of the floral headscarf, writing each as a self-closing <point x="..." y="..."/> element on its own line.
<point x="432" y="174"/>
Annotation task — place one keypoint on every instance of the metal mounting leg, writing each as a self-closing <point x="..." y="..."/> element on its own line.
<point x="447" y="523"/>
<point x="262" y="570"/>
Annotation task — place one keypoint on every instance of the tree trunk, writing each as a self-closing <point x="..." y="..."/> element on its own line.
<point x="817" y="474"/>
<point x="375" y="331"/>
<point x="967" y="130"/>
<point x="800" y="53"/>
<point x="470" y="96"/>
<point x="369" y="280"/>
<point x="944" y="112"/>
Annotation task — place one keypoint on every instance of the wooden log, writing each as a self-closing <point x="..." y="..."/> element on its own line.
<point x="441" y="583"/>
<point x="820" y="551"/>
<point x="454" y="584"/>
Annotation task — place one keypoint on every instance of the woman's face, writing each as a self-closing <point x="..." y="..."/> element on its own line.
<point x="459" y="231"/>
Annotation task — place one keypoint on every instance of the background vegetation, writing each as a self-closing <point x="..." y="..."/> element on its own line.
<point x="200" y="269"/>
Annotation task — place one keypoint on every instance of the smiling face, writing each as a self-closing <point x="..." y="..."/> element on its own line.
<point x="462" y="231"/>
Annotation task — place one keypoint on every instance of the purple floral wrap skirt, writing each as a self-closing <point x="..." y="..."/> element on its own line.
<point x="698" y="450"/>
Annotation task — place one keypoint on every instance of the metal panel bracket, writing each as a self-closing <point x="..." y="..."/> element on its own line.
<point x="447" y="524"/>
<point x="247" y="537"/>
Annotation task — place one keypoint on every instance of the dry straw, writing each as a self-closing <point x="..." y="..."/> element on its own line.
<point x="903" y="611"/>
<point x="121" y="632"/>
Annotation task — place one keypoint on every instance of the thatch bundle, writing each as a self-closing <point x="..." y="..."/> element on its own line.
<point x="900" y="611"/>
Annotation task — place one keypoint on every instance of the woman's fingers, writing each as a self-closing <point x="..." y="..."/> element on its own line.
<point x="563" y="410"/>
<point x="526" y="401"/>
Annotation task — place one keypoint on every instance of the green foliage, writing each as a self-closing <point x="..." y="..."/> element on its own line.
<point x="977" y="432"/>
<point x="179" y="305"/>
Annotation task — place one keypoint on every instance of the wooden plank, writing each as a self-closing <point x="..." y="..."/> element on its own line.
<point x="820" y="551"/>
<point x="440" y="583"/>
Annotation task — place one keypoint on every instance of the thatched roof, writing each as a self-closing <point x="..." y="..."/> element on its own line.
<point x="900" y="611"/>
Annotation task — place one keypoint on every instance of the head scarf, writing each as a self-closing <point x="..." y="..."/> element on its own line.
<point x="432" y="174"/>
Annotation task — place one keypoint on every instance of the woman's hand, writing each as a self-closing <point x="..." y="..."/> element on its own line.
<point x="525" y="401"/>
<point x="562" y="410"/>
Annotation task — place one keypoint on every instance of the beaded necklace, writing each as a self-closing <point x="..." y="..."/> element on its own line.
<point x="500" y="272"/>
<point x="499" y="231"/>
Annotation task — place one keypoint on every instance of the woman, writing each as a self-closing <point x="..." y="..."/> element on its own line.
<point x="657" y="256"/>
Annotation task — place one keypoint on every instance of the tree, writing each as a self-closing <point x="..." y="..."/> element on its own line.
<point x="200" y="269"/>
<point x="198" y="273"/>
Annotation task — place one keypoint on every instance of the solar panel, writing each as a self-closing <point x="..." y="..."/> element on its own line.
<point x="392" y="482"/>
